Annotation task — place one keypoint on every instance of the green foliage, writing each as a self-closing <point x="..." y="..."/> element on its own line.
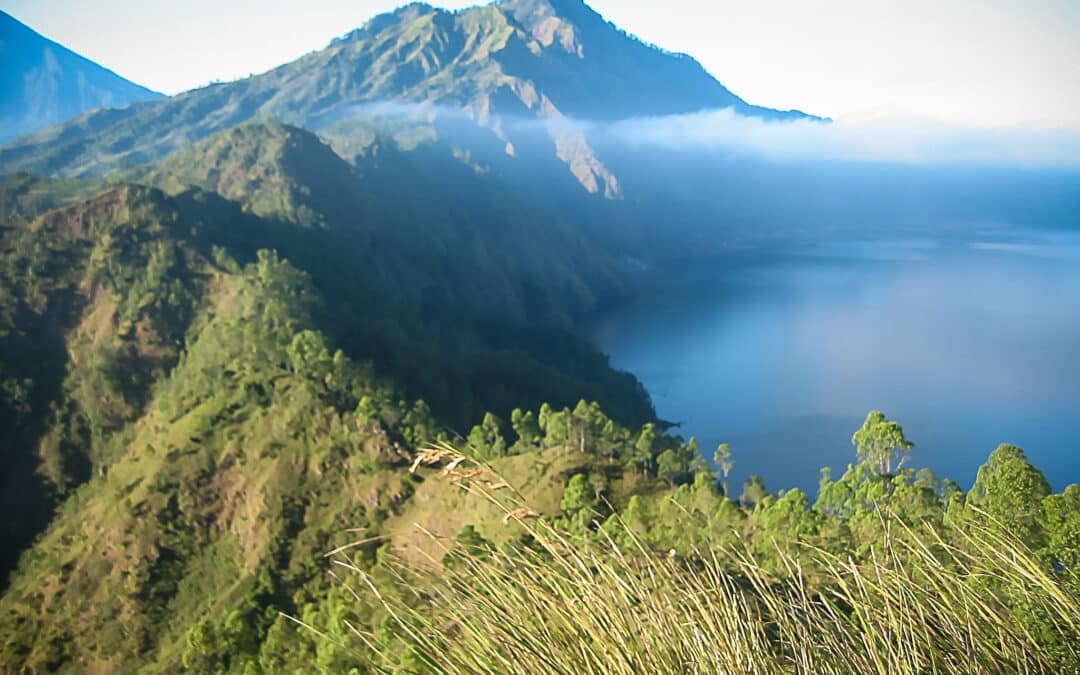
<point x="1060" y="522"/>
<point x="881" y="442"/>
<point x="526" y="427"/>
<point x="164" y="371"/>
<point x="678" y="464"/>
<point x="981" y="602"/>
<point x="211" y="500"/>
<point x="754" y="491"/>
<point x="474" y="332"/>
<point x="724" y="462"/>
<point x="1011" y="491"/>
<point x="578" y="495"/>
<point x="486" y="440"/>
<point x="785" y="523"/>
<point x="200" y="420"/>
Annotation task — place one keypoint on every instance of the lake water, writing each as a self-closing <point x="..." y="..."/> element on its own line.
<point x="966" y="344"/>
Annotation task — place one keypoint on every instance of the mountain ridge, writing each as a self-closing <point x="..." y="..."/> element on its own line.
<point x="180" y="436"/>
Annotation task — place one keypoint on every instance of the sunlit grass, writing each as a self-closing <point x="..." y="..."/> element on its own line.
<point x="977" y="603"/>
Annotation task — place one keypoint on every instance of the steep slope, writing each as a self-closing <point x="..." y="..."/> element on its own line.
<point x="470" y="238"/>
<point x="43" y="83"/>
<point x="592" y="70"/>
<point x="98" y="299"/>
<point x="204" y="443"/>
<point x="436" y="291"/>
<point x="247" y="451"/>
<point x="95" y="299"/>
<point x="234" y="451"/>
<point x="530" y="59"/>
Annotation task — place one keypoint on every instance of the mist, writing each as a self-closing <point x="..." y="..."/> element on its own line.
<point x="904" y="141"/>
<point x="883" y="140"/>
<point x="705" y="179"/>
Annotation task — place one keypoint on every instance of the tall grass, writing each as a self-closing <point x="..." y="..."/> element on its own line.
<point x="978" y="603"/>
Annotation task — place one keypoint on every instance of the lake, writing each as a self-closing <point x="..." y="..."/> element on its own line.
<point x="967" y="344"/>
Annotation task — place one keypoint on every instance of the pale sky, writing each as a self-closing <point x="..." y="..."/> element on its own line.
<point x="982" y="63"/>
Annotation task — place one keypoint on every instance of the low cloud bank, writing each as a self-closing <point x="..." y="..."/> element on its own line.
<point x="870" y="141"/>
<point x="896" y="141"/>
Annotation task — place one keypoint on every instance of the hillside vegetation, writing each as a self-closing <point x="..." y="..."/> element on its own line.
<point x="959" y="599"/>
<point x="182" y="404"/>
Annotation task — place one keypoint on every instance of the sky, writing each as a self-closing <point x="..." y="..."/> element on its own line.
<point x="973" y="63"/>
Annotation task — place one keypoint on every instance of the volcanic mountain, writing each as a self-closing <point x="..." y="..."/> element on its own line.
<point x="43" y="83"/>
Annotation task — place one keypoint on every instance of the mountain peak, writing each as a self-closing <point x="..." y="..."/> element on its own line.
<point x="43" y="83"/>
<point x="277" y="170"/>
<point x="545" y="15"/>
<point x="552" y="6"/>
<point x="380" y="22"/>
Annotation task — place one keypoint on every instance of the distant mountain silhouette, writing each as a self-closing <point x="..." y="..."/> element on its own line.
<point x="43" y="83"/>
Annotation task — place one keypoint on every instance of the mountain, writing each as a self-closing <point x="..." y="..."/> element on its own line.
<point x="43" y="83"/>
<point x="549" y="61"/>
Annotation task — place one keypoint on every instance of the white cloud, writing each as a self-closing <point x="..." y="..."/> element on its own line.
<point x="875" y="140"/>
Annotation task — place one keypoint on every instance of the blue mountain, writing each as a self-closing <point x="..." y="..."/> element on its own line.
<point x="43" y="83"/>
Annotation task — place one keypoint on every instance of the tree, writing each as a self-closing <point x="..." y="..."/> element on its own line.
<point x="309" y="356"/>
<point x="544" y="417"/>
<point x="881" y="442"/>
<point x="754" y="491"/>
<point x="239" y="634"/>
<point x="202" y="648"/>
<point x="1011" y="491"/>
<point x="486" y="438"/>
<point x="586" y="419"/>
<point x="578" y="494"/>
<point x="556" y="425"/>
<point x="579" y="503"/>
<point x="418" y="425"/>
<point x="724" y="464"/>
<point x="641" y="455"/>
<point x="789" y="518"/>
<point x="1060" y="520"/>
<point x="525" y="426"/>
<point x="669" y="466"/>
<point x="367" y="409"/>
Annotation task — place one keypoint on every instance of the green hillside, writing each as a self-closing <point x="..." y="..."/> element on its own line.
<point x="175" y="399"/>
<point x="99" y="296"/>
